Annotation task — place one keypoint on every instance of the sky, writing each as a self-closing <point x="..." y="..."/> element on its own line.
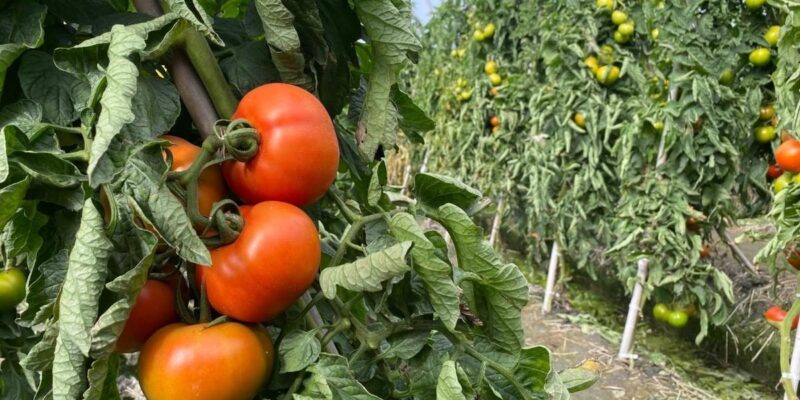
<point x="422" y="9"/>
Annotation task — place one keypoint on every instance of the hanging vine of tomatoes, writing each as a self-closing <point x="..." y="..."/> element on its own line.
<point x="622" y="122"/>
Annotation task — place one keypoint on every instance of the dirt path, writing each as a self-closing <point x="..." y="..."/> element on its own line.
<point x="573" y="338"/>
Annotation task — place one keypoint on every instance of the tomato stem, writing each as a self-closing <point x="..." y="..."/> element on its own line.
<point x="786" y="344"/>
<point x="207" y="67"/>
<point x="205" y="308"/>
<point x="502" y="370"/>
<point x="351" y="233"/>
<point x="347" y="212"/>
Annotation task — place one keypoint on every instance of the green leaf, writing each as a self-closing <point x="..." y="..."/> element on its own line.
<point x="502" y="290"/>
<point x="141" y="181"/>
<point x="103" y="379"/>
<point x="533" y="367"/>
<point x="284" y="42"/>
<point x="20" y="29"/>
<point x="44" y="284"/>
<point x="436" y="190"/>
<point x="40" y="357"/>
<point x="436" y="274"/>
<point x="48" y="86"/>
<point x="405" y="345"/>
<point x="368" y="273"/>
<point x="116" y="101"/>
<point x="11" y="197"/>
<point x="413" y="121"/>
<point x="298" y="350"/>
<point x="248" y="67"/>
<point x="581" y="377"/>
<point x="21" y="236"/>
<point x="391" y="37"/>
<point x="48" y="169"/>
<point x="199" y="20"/>
<point x="78" y="306"/>
<point x="331" y="379"/>
<point x="141" y="248"/>
<point x="448" y="386"/>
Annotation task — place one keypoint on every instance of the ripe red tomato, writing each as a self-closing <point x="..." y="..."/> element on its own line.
<point x="788" y="156"/>
<point x="226" y="361"/>
<point x="271" y="264"/>
<point x="154" y="309"/>
<point x="705" y="251"/>
<point x="692" y="225"/>
<point x="298" y="156"/>
<point x="794" y="259"/>
<point x="210" y="185"/>
<point x="775" y="315"/>
<point x="774" y="171"/>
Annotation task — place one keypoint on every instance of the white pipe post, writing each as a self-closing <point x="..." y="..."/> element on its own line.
<point x="552" y="270"/>
<point x="794" y="367"/>
<point x="406" y="176"/>
<point x="424" y="167"/>
<point x="633" y="311"/>
<point x="498" y="216"/>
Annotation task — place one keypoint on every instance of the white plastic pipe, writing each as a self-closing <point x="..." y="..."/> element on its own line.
<point x="633" y="311"/>
<point x="794" y="367"/>
<point x="552" y="270"/>
<point x="424" y="167"/>
<point x="498" y="216"/>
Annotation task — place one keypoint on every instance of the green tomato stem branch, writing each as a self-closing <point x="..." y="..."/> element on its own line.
<point x="207" y="67"/>
<point x="786" y="345"/>
<point x="351" y="233"/>
<point x="347" y="212"/>
<point x="502" y="370"/>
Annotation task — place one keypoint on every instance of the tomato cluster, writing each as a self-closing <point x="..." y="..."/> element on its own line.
<point x="676" y="318"/>
<point x="271" y="263"/>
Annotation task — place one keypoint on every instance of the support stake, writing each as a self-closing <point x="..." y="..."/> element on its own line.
<point x="498" y="216"/>
<point x="552" y="271"/>
<point x="633" y="312"/>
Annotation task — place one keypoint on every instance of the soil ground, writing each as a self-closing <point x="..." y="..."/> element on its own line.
<point x="668" y="367"/>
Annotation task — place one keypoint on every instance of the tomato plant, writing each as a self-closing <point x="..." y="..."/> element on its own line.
<point x="297" y="103"/>
<point x="600" y="139"/>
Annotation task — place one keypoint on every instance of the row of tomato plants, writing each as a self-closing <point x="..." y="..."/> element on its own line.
<point x="627" y="130"/>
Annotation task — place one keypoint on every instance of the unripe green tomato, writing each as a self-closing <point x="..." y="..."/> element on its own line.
<point x="726" y="78"/>
<point x="495" y="79"/>
<point x="678" y="319"/>
<point x="626" y="29"/>
<point x="488" y="30"/>
<point x="654" y="33"/>
<point x="661" y="312"/>
<point x="607" y="4"/>
<point x="772" y="35"/>
<point x="618" y="17"/>
<point x="607" y="74"/>
<point x="621" y="38"/>
<point x="781" y="182"/>
<point x="12" y="288"/>
<point x="658" y="126"/>
<point x="765" y="134"/>
<point x="760" y="57"/>
<point x="796" y="178"/>
<point x="478" y="36"/>
<point x="754" y="4"/>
